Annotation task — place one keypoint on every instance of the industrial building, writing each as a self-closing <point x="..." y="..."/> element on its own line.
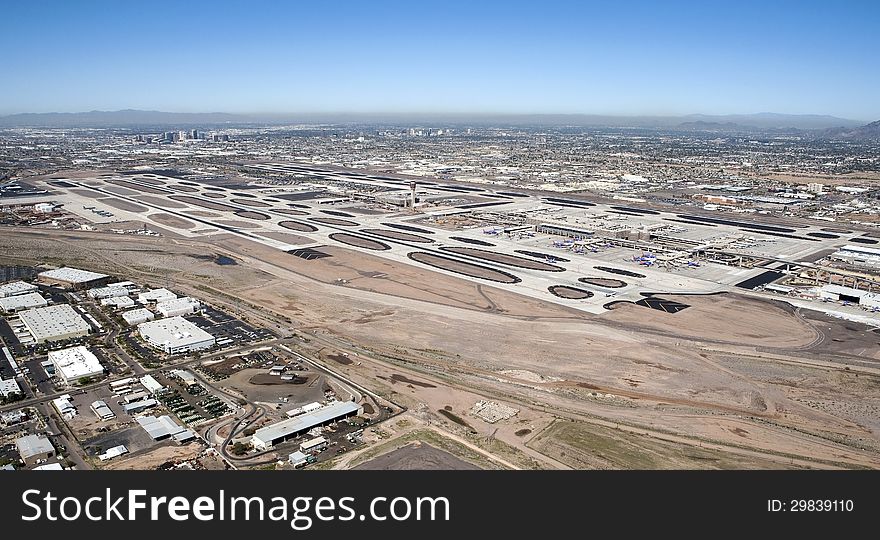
<point x="838" y="293"/>
<point x="49" y="467"/>
<point x="178" y="306"/>
<point x="65" y="406"/>
<point x="54" y="323"/>
<point x="138" y="316"/>
<point x="267" y="437"/>
<point x="151" y="384"/>
<point x="187" y="378"/>
<point x="118" y="302"/>
<point x="138" y="406"/>
<point x="12" y="304"/>
<point x="74" y="363"/>
<point x="73" y="278"/>
<point x="175" y="335"/>
<point x="110" y="291"/>
<point x="163" y="427"/>
<point x="298" y="459"/>
<point x="101" y="410"/>
<point x="155" y="295"/>
<point x="111" y="453"/>
<point x="14" y="288"/>
<point x="9" y="387"/>
<point x="34" y="448"/>
<point x="314" y="445"/>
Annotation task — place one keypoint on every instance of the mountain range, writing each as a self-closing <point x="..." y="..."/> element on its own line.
<point x="820" y="125"/>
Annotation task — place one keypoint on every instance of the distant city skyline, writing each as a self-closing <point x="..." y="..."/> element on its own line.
<point x="553" y="57"/>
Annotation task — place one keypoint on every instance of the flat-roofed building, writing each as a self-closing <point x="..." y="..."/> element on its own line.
<point x="11" y="304"/>
<point x="267" y="437"/>
<point x="65" y="406"/>
<point x="73" y="278"/>
<point x="54" y="323"/>
<point x="151" y="384"/>
<point x="111" y="453"/>
<point x="34" y="448"/>
<point x="175" y="335"/>
<point x="298" y="459"/>
<point x="313" y="445"/>
<point x="9" y="387"/>
<point x="178" y="306"/>
<point x="14" y="288"/>
<point x="49" y="467"/>
<point x="155" y="295"/>
<point x="109" y="291"/>
<point x="118" y="302"/>
<point x="138" y="316"/>
<point x="75" y="363"/>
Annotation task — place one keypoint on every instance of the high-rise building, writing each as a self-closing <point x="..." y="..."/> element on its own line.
<point x="194" y="134"/>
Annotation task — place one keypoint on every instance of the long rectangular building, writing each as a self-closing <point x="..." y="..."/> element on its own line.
<point x="14" y="288"/>
<point x="11" y="304"/>
<point x="54" y="323"/>
<point x="73" y="278"/>
<point x="267" y="437"/>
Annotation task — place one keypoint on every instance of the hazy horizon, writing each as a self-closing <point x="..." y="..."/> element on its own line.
<point x="455" y="58"/>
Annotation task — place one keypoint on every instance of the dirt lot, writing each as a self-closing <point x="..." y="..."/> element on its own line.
<point x="297" y="226"/>
<point x="417" y="456"/>
<point x="583" y="446"/>
<point x="151" y="459"/>
<point x="297" y="394"/>
<point x="172" y="221"/>
<point x="571" y="293"/>
<point x="251" y="215"/>
<point x="728" y="317"/>
<point x="359" y="241"/>
<point x="460" y="267"/>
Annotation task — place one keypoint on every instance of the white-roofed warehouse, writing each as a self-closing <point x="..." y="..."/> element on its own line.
<point x="73" y="278"/>
<point x="74" y="363"/>
<point x="175" y="335"/>
<point x="19" y="302"/>
<point x="14" y="288"/>
<point x="54" y="323"/>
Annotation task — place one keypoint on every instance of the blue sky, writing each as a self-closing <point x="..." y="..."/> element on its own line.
<point x="615" y="57"/>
